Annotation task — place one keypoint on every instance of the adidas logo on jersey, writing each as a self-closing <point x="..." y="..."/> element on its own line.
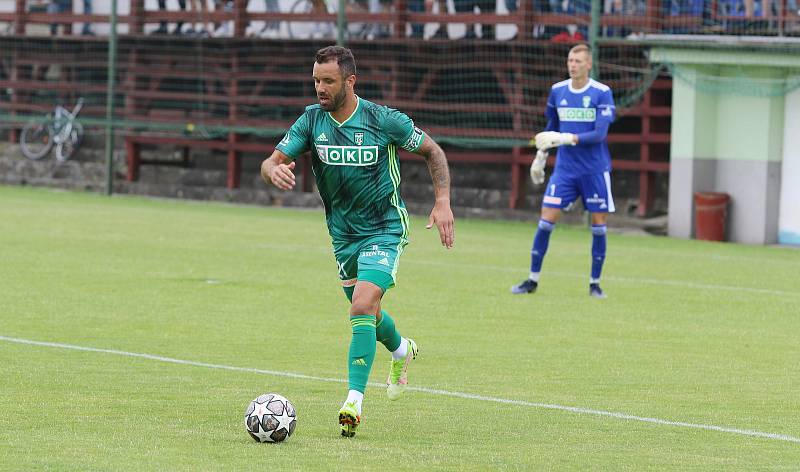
<point x="384" y="261"/>
<point x="322" y="138"/>
<point x="563" y="102"/>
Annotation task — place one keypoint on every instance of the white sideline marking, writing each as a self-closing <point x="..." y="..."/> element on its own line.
<point x="432" y="391"/>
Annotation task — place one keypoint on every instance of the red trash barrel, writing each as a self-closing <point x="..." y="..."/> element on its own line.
<point x="711" y="213"/>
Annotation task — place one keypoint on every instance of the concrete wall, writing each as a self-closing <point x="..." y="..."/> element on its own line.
<point x="735" y="141"/>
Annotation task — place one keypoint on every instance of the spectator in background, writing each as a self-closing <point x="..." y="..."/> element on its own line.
<point x="271" y="29"/>
<point x="569" y="35"/>
<point x="486" y="7"/>
<point x="58" y="6"/>
<point x="225" y="28"/>
<point x="687" y="8"/>
<point x="380" y="30"/>
<point x="420" y="6"/>
<point x="87" y="10"/>
<point x="441" y="6"/>
<point x="576" y="7"/>
<point x="624" y="8"/>
<point x="417" y="6"/>
<point x="162" y="27"/>
<point x="65" y="6"/>
<point x="199" y="6"/>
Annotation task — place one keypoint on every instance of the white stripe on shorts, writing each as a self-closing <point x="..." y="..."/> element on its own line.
<point x="607" y="178"/>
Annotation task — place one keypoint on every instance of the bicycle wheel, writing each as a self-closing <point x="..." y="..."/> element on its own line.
<point x="36" y="140"/>
<point x="65" y="150"/>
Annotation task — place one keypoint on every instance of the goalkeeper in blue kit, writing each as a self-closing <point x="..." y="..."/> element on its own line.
<point x="579" y="112"/>
<point x="354" y="144"/>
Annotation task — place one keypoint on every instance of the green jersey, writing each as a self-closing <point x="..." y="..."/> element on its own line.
<point x="356" y="166"/>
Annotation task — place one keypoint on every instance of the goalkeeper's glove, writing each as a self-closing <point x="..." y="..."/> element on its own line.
<point x="551" y="139"/>
<point x="537" y="167"/>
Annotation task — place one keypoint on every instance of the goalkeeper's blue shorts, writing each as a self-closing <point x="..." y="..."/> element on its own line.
<point x="594" y="190"/>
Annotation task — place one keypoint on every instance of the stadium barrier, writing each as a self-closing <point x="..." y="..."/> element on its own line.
<point x="483" y="99"/>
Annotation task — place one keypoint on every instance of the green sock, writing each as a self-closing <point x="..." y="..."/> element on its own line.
<point x="386" y="332"/>
<point x="362" y="351"/>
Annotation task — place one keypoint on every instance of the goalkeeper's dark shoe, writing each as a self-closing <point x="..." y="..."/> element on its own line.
<point x="528" y="286"/>
<point x="595" y="291"/>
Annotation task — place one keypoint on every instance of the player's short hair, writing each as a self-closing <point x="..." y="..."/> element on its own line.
<point x="582" y="48"/>
<point x="343" y="57"/>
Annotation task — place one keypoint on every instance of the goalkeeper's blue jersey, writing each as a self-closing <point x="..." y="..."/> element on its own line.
<point x="586" y="112"/>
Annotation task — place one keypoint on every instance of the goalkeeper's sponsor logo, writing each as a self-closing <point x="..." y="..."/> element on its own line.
<point x="577" y="114"/>
<point x="601" y="201"/>
<point x="348" y="155"/>
<point x="414" y="140"/>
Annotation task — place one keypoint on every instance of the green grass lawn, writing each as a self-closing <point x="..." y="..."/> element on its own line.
<point x="701" y="337"/>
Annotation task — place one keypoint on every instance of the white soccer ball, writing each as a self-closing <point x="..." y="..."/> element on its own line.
<point x="270" y="418"/>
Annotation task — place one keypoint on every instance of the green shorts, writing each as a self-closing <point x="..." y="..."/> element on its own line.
<point x="373" y="259"/>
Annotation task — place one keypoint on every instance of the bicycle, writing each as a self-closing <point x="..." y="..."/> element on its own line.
<point x="60" y="129"/>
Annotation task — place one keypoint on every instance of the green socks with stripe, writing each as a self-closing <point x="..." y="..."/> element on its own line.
<point x="362" y="351"/>
<point x="387" y="333"/>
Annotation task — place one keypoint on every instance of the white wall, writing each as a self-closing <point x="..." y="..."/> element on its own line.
<point x="789" y="215"/>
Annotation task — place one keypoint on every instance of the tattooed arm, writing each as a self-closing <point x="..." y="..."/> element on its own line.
<point x="441" y="215"/>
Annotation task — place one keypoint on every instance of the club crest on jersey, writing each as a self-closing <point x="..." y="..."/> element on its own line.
<point x="358" y="138"/>
<point x="347" y="155"/>
<point x="586" y="101"/>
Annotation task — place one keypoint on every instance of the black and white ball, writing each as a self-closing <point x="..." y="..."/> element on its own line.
<point x="270" y="418"/>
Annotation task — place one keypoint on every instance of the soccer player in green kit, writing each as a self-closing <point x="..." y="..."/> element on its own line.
<point x="354" y="159"/>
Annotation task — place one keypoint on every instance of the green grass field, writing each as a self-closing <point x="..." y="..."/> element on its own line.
<point x="690" y="364"/>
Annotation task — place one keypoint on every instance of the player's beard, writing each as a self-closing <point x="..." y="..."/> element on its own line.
<point x="335" y="102"/>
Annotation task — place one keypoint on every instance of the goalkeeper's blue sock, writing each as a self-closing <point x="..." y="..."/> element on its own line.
<point x="598" y="251"/>
<point x="539" y="249"/>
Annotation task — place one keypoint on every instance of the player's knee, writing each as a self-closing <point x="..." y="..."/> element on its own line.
<point x="545" y="225"/>
<point x="363" y="304"/>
